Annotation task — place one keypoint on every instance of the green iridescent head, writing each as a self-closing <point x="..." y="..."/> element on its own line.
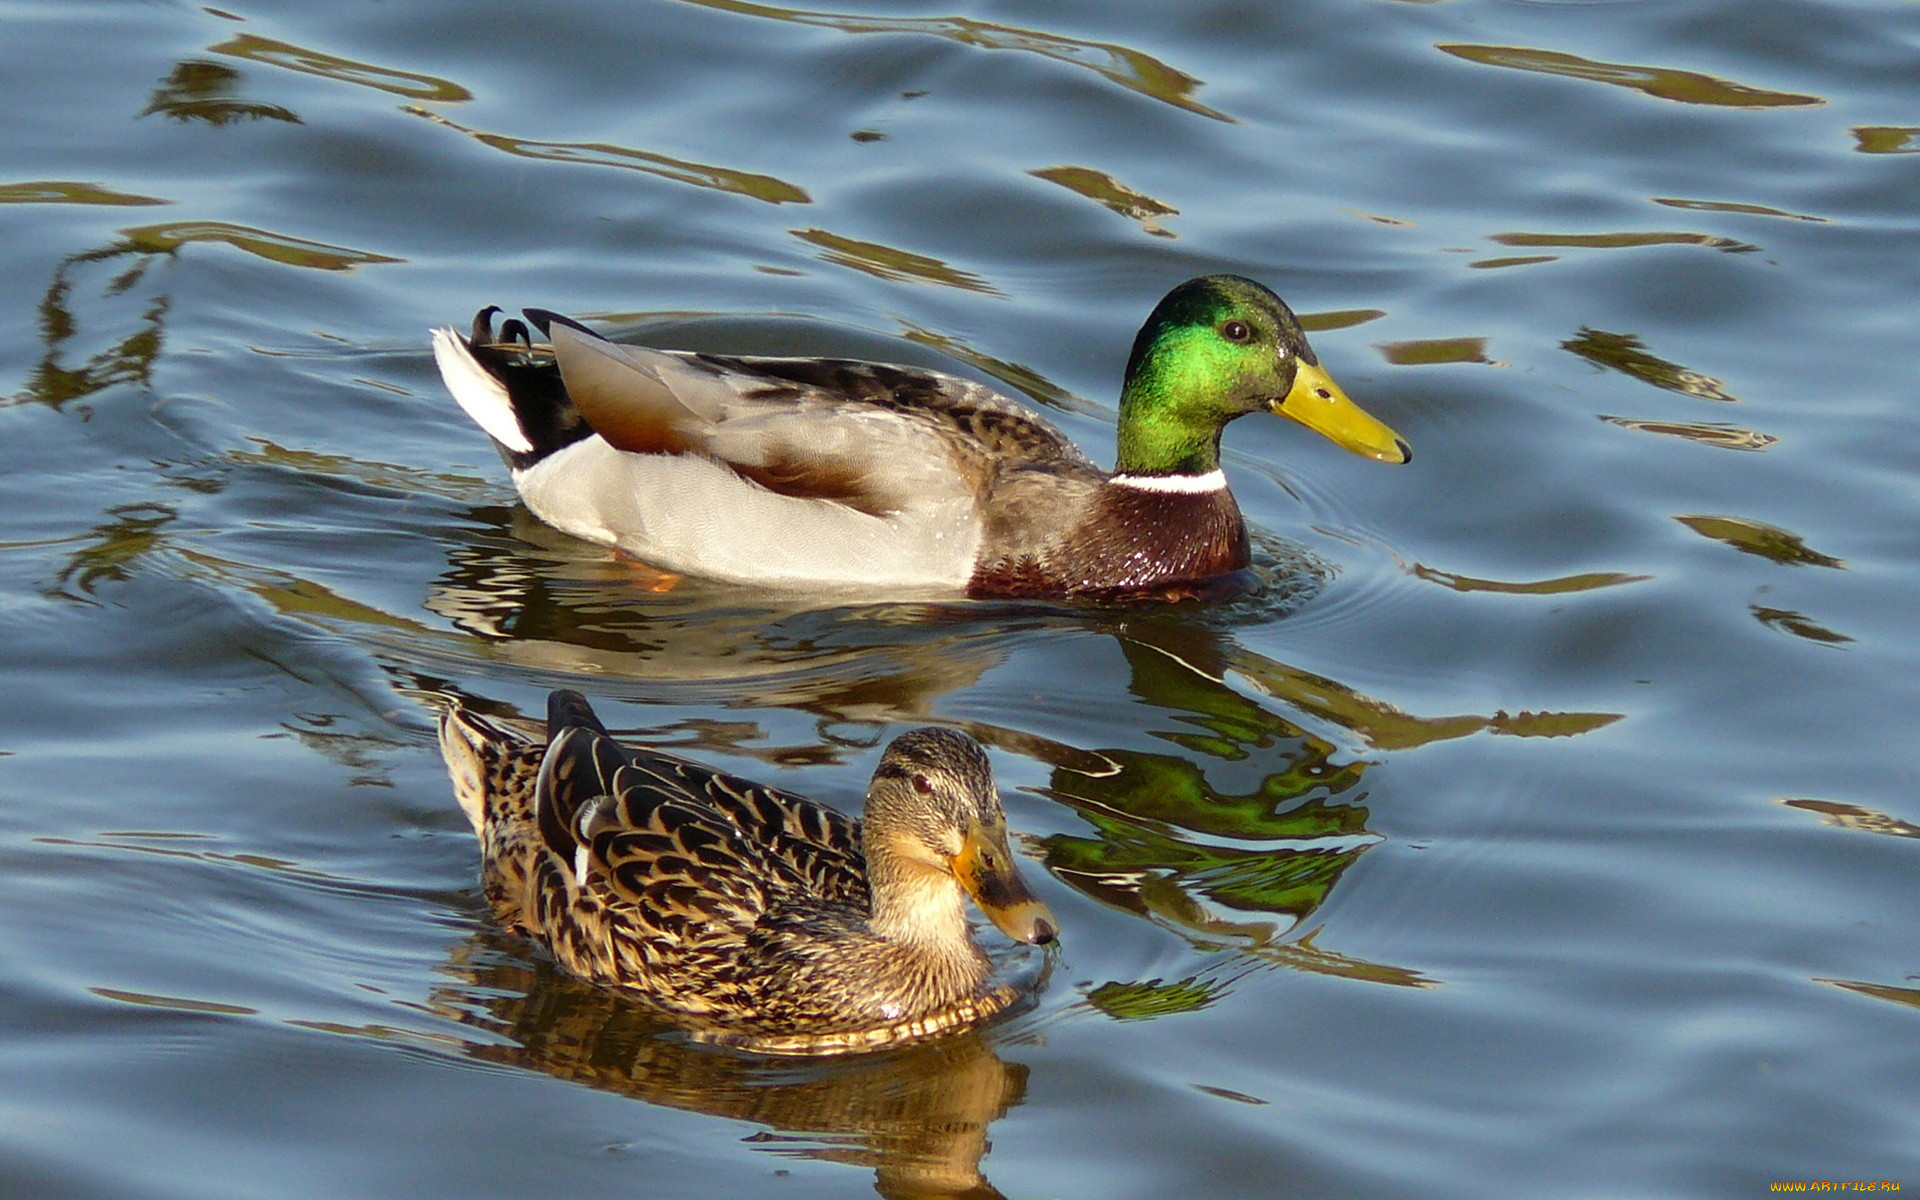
<point x="1219" y="347"/>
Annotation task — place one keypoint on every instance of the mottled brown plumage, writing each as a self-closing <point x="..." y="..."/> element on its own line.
<point x="764" y="919"/>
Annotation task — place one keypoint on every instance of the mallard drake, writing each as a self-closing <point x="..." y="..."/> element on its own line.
<point x="762" y="918"/>
<point x="828" y="473"/>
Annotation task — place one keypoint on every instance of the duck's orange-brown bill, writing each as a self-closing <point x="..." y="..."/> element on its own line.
<point x="986" y="869"/>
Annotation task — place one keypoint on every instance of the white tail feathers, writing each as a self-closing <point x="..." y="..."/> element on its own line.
<point x="483" y="396"/>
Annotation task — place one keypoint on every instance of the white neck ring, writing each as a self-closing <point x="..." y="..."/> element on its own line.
<point x="1213" y="481"/>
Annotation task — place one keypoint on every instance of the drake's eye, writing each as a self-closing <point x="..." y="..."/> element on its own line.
<point x="1237" y="331"/>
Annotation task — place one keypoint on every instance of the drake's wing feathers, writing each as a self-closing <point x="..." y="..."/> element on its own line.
<point x="1003" y="428"/>
<point x="875" y="438"/>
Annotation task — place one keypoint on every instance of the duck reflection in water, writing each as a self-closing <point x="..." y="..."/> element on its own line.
<point x="917" y="1116"/>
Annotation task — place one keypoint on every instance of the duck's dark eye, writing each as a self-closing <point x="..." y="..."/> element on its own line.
<point x="1237" y="331"/>
<point x="922" y="784"/>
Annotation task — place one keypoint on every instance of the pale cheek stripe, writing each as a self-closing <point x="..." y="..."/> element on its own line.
<point x="1212" y="481"/>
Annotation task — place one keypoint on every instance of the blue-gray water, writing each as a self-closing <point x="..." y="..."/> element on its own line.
<point x="1561" y="843"/>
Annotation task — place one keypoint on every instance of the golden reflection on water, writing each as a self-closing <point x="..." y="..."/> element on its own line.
<point x="890" y="262"/>
<point x="1129" y="68"/>
<point x="1717" y="434"/>
<point x="1345" y="318"/>
<point x="197" y="90"/>
<point x="1788" y="620"/>
<point x="1560" y="586"/>
<point x="1666" y="83"/>
<point x="1752" y="210"/>
<point x="1625" y="240"/>
<point x="1909" y="996"/>
<point x="55" y="191"/>
<point x="1108" y="192"/>
<point x="1855" y="817"/>
<point x="1758" y="537"/>
<point x="1886" y="139"/>
<point x="769" y="188"/>
<point x="410" y="84"/>
<point x="918" y="1116"/>
<point x="1426" y="352"/>
<point x="275" y="247"/>
<point x="1627" y="354"/>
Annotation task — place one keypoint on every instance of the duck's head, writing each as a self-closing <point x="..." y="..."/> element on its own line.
<point x="933" y="815"/>
<point x="1219" y="347"/>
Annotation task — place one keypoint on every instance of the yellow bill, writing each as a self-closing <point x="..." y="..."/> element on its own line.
<point x="987" y="872"/>
<point x="1317" y="402"/>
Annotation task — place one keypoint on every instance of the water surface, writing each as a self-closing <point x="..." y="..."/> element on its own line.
<point x="1545" y="826"/>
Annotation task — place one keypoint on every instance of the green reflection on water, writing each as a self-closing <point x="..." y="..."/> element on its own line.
<point x="197" y="90"/>
<point x="1627" y="354"/>
<point x="1666" y="83"/>
<point x="1758" y="537"/>
<point x="1155" y="997"/>
<point x="604" y="154"/>
<point x="1129" y="68"/>
<point x="411" y="84"/>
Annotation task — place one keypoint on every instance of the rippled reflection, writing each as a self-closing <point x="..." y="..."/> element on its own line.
<point x="1887" y="139"/>
<point x="410" y="84"/>
<point x="1108" y="192"/>
<point x="1625" y="240"/>
<point x="1559" y="586"/>
<point x="917" y="1116"/>
<point x="1716" y="434"/>
<point x="1688" y="87"/>
<point x="769" y="188"/>
<point x="1627" y="354"/>
<point x="1129" y="68"/>
<point x="1856" y="817"/>
<point x="1757" y="537"/>
<point x="890" y="262"/>
<point x="1426" y="352"/>
<point x="54" y="191"/>
<point x="1751" y="210"/>
<point x="197" y="90"/>
<point x="1787" y="620"/>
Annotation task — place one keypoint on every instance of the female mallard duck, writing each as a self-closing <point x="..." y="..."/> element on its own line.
<point x="768" y="920"/>
<point x="796" y="472"/>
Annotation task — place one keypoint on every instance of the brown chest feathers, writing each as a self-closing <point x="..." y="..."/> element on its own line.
<point x="1127" y="541"/>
